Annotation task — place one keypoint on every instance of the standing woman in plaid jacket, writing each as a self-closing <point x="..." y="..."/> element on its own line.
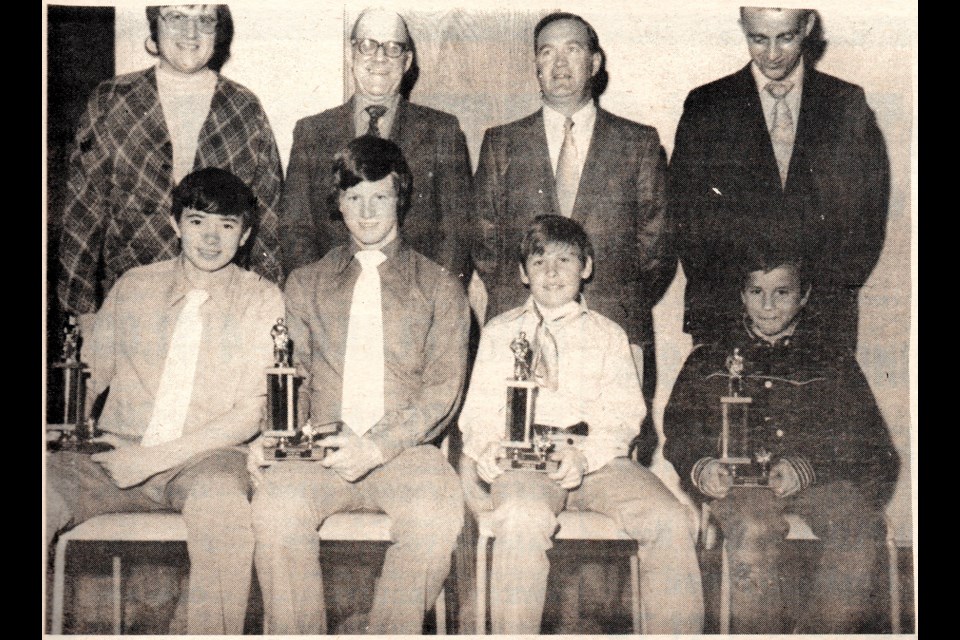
<point x="143" y="132"/>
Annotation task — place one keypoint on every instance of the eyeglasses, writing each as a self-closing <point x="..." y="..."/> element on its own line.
<point x="180" y="22"/>
<point x="391" y="49"/>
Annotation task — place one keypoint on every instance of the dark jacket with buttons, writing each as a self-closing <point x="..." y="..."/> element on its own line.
<point x="806" y="403"/>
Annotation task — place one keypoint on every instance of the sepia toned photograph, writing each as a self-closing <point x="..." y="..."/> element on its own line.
<point x="479" y="318"/>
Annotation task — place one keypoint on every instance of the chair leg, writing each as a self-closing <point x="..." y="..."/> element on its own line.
<point x="440" y="612"/>
<point x="639" y="619"/>
<point x="482" y="585"/>
<point x="117" y="597"/>
<point x="724" y="590"/>
<point x="59" y="570"/>
<point x="893" y="560"/>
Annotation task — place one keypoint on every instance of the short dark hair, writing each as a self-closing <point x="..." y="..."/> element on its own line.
<point x="764" y="257"/>
<point x="213" y="190"/>
<point x="593" y="40"/>
<point x="553" y="229"/>
<point x="599" y="80"/>
<point x="371" y="158"/>
<point x="221" y="43"/>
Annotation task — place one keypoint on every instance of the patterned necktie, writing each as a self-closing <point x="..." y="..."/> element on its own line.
<point x="546" y="356"/>
<point x="375" y="112"/>
<point x="781" y="130"/>
<point x="179" y="370"/>
<point x="567" y="173"/>
<point x="362" y="398"/>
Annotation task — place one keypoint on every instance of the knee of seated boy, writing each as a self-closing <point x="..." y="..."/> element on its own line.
<point x="524" y="517"/>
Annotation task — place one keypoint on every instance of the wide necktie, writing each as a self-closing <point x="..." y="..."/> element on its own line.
<point x="781" y="130"/>
<point x="568" y="172"/>
<point x="546" y="356"/>
<point x="375" y="111"/>
<point x="179" y="370"/>
<point x="362" y="398"/>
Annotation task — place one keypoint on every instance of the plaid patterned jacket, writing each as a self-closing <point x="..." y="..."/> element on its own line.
<point x="120" y="184"/>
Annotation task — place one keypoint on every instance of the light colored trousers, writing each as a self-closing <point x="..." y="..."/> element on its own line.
<point x="525" y="505"/>
<point x="211" y="491"/>
<point x="420" y="492"/>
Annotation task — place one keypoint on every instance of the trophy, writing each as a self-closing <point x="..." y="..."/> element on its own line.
<point x="286" y="440"/>
<point x="749" y="467"/>
<point x="74" y="431"/>
<point x="524" y="447"/>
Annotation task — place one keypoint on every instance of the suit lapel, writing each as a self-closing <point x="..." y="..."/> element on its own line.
<point x="537" y="159"/>
<point x="400" y="124"/>
<point x="810" y="124"/>
<point x="595" y="168"/>
<point x="755" y="137"/>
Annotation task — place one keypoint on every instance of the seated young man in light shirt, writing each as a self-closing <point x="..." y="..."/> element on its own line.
<point x="588" y="375"/>
<point x="380" y="335"/>
<point x="182" y="345"/>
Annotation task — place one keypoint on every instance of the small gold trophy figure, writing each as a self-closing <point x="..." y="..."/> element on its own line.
<point x="74" y="431"/>
<point x="523" y="448"/>
<point x="285" y="439"/>
<point x="747" y="468"/>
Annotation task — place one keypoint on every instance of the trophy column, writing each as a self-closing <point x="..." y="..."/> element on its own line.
<point x="74" y="431"/>
<point x="748" y="468"/>
<point x="285" y="439"/>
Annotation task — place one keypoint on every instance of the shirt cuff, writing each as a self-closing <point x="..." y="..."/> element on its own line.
<point x="803" y="468"/>
<point x="698" y="469"/>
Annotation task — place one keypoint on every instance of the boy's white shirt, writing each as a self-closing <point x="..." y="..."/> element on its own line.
<point x="598" y="383"/>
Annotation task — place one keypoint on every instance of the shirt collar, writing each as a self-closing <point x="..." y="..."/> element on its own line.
<point x="360" y="103"/>
<point x="582" y="119"/>
<point x="392" y="250"/>
<point x="795" y="78"/>
<point x="573" y="309"/>
<point x="220" y="281"/>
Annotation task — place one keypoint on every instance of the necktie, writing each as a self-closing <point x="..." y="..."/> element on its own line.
<point x="375" y="112"/>
<point x="362" y="398"/>
<point x="567" y="173"/>
<point x="781" y="131"/>
<point x="179" y="370"/>
<point x="546" y="357"/>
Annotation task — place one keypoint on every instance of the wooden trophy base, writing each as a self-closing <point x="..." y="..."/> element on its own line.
<point x="526" y="457"/>
<point x="747" y="473"/>
<point x="284" y="446"/>
<point x="65" y="439"/>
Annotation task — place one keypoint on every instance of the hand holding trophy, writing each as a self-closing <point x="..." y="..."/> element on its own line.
<point x="286" y="439"/>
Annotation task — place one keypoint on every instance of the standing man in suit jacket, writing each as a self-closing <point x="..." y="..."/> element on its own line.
<point x="381" y="54"/>
<point x="782" y="149"/>
<point x="575" y="159"/>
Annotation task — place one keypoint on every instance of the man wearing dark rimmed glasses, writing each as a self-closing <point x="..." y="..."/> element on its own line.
<point x="381" y="54"/>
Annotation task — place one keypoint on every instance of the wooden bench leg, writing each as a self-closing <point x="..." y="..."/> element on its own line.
<point x="59" y="577"/>
<point x="117" y="597"/>
<point x="482" y="585"/>
<point x="638" y="618"/>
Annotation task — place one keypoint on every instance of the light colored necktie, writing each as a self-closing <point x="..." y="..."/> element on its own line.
<point x="362" y="398"/>
<point x="781" y="130"/>
<point x="179" y="370"/>
<point x="567" y="173"/>
<point x="546" y="356"/>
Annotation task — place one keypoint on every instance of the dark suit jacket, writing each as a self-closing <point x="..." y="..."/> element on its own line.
<point x="726" y="195"/>
<point x="620" y="203"/>
<point x="436" y="150"/>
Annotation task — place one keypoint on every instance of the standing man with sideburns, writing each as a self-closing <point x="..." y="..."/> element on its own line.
<point x="779" y="147"/>
<point x="381" y="54"/>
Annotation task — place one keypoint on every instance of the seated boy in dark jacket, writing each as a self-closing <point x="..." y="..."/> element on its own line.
<point x="813" y="424"/>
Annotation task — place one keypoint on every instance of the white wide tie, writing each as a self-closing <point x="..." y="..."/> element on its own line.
<point x="362" y="399"/>
<point x="179" y="370"/>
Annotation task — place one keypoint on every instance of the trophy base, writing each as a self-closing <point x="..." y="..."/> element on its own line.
<point x="525" y="458"/>
<point x="748" y="474"/>
<point x="68" y="440"/>
<point x="281" y="446"/>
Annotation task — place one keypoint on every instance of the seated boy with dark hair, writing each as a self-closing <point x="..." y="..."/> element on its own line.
<point x="814" y="423"/>
<point x="587" y="374"/>
<point x="182" y="345"/>
<point x="380" y="335"/>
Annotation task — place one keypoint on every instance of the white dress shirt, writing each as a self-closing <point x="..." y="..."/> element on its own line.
<point x="583" y="121"/>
